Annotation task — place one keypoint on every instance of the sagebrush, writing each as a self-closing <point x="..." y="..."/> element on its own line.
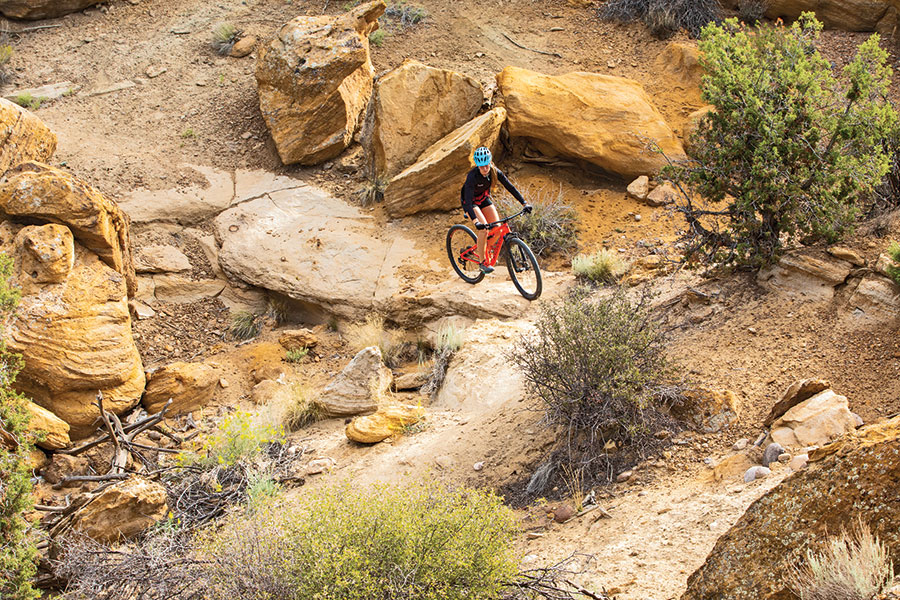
<point x="664" y="17"/>
<point x="552" y="224"/>
<point x="224" y="36"/>
<point x="602" y="266"/>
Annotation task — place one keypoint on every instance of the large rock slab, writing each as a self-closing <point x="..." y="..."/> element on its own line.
<point x="314" y="79"/>
<point x="389" y="421"/>
<point x="853" y="478"/>
<point x="849" y="15"/>
<point x="815" y="421"/>
<point x="122" y="511"/>
<point x="72" y="327"/>
<point x="33" y="10"/>
<point x="35" y="191"/>
<point x="812" y="276"/>
<point x="434" y="181"/>
<point x="360" y="387"/>
<point x="23" y="136"/>
<point x="413" y="107"/>
<point x="797" y="392"/>
<point x="604" y="120"/>
<point x="190" y="386"/>
<point x="185" y="205"/>
<point x="875" y="299"/>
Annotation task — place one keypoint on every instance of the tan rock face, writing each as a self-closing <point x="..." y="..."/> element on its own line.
<point x="604" y="120"/>
<point x="855" y="477"/>
<point x="815" y="421"/>
<point x="297" y="339"/>
<point x="798" y="392"/>
<point x="189" y="385"/>
<point x="679" y="63"/>
<point x="849" y="15"/>
<point x="24" y="136"/>
<point x="388" y="421"/>
<point x="415" y="106"/>
<point x="708" y="410"/>
<point x="123" y="510"/>
<point x="812" y="276"/>
<point x="55" y="429"/>
<point x="47" y="255"/>
<point x="37" y="191"/>
<point x="315" y="79"/>
<point x="360" y="387"/>
<point x="434" y="181"/>
<point x="32" y="10"/>
<point x="75" y="334"/>
<point x="645" y="269"/>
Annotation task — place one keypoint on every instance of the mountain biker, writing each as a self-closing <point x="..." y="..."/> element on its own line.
<point x="476" y="198"/>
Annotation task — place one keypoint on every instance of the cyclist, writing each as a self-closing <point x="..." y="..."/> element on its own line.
<point x="476" y="198"/>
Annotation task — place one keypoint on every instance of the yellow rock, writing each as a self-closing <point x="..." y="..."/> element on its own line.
<point x="25" y="137"/>
<point x="57" y="430"/>
<point x="389" y="420"/>
<point x="645" y="269"/>
<point x="708" y="410"/>
<point x="122" y="511"/>
<point x="37" y="191"/>
<point x="604" y="120"/>
<point x="189" y="385"/>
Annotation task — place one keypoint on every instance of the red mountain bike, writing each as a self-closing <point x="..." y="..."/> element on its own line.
<point x="520" y="261"/>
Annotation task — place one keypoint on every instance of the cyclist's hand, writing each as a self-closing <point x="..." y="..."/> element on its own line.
<point x="480" y="226"/>
<point x="528" y="208"/>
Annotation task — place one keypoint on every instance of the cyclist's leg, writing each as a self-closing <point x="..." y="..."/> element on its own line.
<point x="490" y="213"/>
<point x="480" y="234"/>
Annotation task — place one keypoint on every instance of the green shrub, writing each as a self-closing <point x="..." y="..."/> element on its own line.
<point x="789" y="150"/>
<point x="6" y="53"/>
<point x="422" y="542"/>
<point x="245" y="325"/>
<point x="603" y="266"/>
<point x="30" y="102"/>
<point x="297" y="355"/>
<point x="377" y="37"/>
<point x="852" y="566"/>
<point x="405" y="15"/>
<point x="239" y="437"/>
<point x="17" y="551"/>
<point x="224" y="36"/>
<point x="893" y="271"/>
<point x="551" y="226"/>
<point x="260" y="490"/>
<point x="663" y="17"/>
<point x="597" y="364"/>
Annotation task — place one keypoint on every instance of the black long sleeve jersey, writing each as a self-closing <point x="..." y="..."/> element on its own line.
<point x="477" y="189"/>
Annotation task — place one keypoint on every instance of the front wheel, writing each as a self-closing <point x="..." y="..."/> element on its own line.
<point x="461" y="251"/>
<point x="523" y="268"/>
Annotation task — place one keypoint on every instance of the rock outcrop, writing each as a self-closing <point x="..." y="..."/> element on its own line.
<point x="23" y="136"/>
<point x="189" y="385"/>
<point x="849" y="15"/>
<point x="853" y="478"/>
<point x="297" y="339"/>
<point x="797" y="392"/>
<point x="54" y="430"/>
<point x="708" y="410"/>
<point x="390" y="420"/>
<point x="413" y="107"/>
<point x="35" y="191"/>
<point x="604" y="120"/>
<point x="815" y="421"/>
<point x="812" y="276"/>
<point x="122" y="511"/>
<point x="434" y="180"/>
<point x="359" y="388"/>
<point x="72" y="327"/>
<point x="33" y="10"/>
<point x="315" y="79"/>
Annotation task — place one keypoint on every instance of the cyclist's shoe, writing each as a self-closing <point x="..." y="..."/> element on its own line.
<point x="485" y="268"/>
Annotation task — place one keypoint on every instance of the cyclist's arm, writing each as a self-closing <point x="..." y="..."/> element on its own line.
<point x="468" y="194"/>
<point x="510" y="187"/>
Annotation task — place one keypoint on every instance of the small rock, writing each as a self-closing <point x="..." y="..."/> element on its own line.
<point x="662" y="195"/>
<point x="611" y="64"/>
<point x="637" y="217"/>
<point x="740" y="444"/>
<point x="784" y="458"/>
<point x="754" y="473"/>
<point x="639" y="188"/>
<point x="223" y="383"/>
<point x="624" y="476"/>
<point x="243" y="47"/>
<point x="799" y="462"/>
<point x="771" y="454"/>
<point x="155" y="71"/>
<point x="478" y="466"/>
<point x="563" y="513"/>
<point x="320" y="465"/>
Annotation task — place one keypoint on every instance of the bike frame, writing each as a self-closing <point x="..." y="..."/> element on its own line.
<point x="497" y="232"/>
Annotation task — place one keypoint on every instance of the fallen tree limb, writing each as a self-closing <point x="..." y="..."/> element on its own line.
<point x="531" y="49"/>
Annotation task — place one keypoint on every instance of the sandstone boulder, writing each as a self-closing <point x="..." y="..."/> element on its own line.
<point x="679" y="65"/>
<point x="23" y="136"/>
<point x="855" y="477"/>
<point x="707" y="410"/>
<point x="185" y="205"/>
<point x="360" y="387"/>
<point x="815" y="421"/>
<point x="33" y="10"/>
<point x="604" y="120"/>
<point x="388" y="421"/>
<point x="297" y="339"/>
<point x="314" y="80"/>
<point x="639" y="188"/>
<point x="434" y="181"/>
<point x="189" y="385"/>
<point x="812" y="276"/>
<point x="797" y="392"/>
<point x="55" y="431"/>
<point x="160" y="258"/>
<point x="180" y="289"/>
<point x="876" y="299"/>
<point x="849" y="15"/>
<point x="664" y="193"/>
<point x="122" y="511"/>
<point x="73" y="329"/>
<point x="412" y="380"/>
<point x="35" y="191"/>
<point x="414" y="106"/>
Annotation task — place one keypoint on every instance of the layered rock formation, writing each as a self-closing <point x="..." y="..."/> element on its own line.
<point x="360" y="387"/>
<point x="853" y="478"/>
<point x="32" y="10"/>
<point x="849" y="15"/>
<point x="388" y="421"/>
<point x="190" y="386"/>
<point x="23" y="136"/>
<point x="315" y="79"/>
<point x="604" y="120"/>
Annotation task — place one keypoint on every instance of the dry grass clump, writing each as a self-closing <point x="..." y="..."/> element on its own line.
<point x="603" y="266"/>
<point x="245" y="325"/>
<point x="223" y="38"/>
<point x="450" y="339"/>
<point x="372" y="332"/>
<point x="551" y="226"/>
<point x="853" y="566"/>
<point x="664" y="17"/>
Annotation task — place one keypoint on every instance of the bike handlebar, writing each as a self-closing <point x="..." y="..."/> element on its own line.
<point x="502" y="221"/>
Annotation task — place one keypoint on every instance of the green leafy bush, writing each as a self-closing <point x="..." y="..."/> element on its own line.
<point x="597" y="364"/>
<point x="552" y="224"/>
<point x="894" y="270"/>
<point x="663" y="17"/>
<point x="238" y="437"/>
<point x="17" y="551"/>
<point x="603" y="266"/>
<point x="421" y="542"/>
<point x="30" y="102"/>
<point x="296" y="355"/>
<point x="377" y="37"/>
<point x="789" y="150"/>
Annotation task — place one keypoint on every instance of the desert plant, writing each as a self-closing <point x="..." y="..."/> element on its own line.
<point x="405" y="15"/>
<point x="770" y="176"/>
<point x="377" y="37"/>
<point x="296" y="355"/>
<point x="373" y="190"/>
<point x="450" y="339"/>
<point x="372" y="332"/>
<point x="596" y="364"/>
<point x="188" y="134"/>
<point x="551" y="225"/>
<point x="261" y="489"/>
<point x="30" y="102"/>
<point x="6" y="53"/>
<point x="17" y="551"/>
<point x="418" y="542"/>
<point x="893" y="270"/>
<point x="278" y="308"/>
<point x="239" y="437"/>
<point x="245" y="325"/>
<point x="303" y="408"/>
<point x="852" y="566"/>
<point x="224" y="35"/>
<point x="603" y="266"/>
<point x="663" y="17"/>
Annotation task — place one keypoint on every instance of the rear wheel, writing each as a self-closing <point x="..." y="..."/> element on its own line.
<point x="523" y="268"/>
<point x="461" y="251"/>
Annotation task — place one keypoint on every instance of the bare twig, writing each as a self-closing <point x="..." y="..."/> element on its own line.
<point x="532" y="49"/>
<point x="93" y="478"/>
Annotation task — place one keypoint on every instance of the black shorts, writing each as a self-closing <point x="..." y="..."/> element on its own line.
<point x="482" y="204"/>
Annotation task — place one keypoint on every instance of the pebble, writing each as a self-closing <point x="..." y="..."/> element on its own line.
<point x="611" y="64"/>
<point x="637" y="217"/>
<point x="223" y="383"/>
<point x="478" y="466"/>
<point x="773" y="451"/>
<point x="624" y="476"/>
<point x="754" y="473"/>
<point x="799" y="462"/>
<point x="741" y="444"/>
<point x="784" y="457"/>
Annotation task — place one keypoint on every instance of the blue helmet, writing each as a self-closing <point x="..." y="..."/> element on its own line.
<point x="482" y="156"/>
